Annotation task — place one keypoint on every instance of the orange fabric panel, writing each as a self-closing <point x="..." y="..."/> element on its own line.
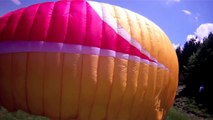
<point x="130" y="91"/>
<point x="103" y="90"/>
<point x="147" y="33"/>
<point x="71" y="85"/>
<point x="148" y="101"/>
<point x="118" y="88"/>
<point x="142" y="85"/>
<point x="6" y="93"/>
<point x="52" y="84"/>
<point x="35" y="80"/>
<point x="19" y="77"/>
<point x="88" y="85"/>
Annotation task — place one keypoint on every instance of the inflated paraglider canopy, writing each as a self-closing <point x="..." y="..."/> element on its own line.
<point x="85" y="60"/>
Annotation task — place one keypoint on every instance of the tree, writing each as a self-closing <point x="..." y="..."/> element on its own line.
<point x="198" y="73"/>
<point x="179" y="56"/>
<point x="190" y="47"/>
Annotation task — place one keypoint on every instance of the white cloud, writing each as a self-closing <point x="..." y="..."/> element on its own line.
<point x="187" y="12"/>
<point x="191" y="36"/>
<point x="17" y="2"/>
<point x="171" y="2"/>
<point x="201" y="32"/>
<point x="176" y="0"/>
<point x="177" y="45"/>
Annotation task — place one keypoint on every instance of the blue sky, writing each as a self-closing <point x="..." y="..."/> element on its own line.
<point x="179" y="19"/>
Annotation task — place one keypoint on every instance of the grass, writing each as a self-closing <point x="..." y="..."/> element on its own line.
<point x="18" y="115"/>
<point x="174" y="114"/>
<point x="191" y="107"/>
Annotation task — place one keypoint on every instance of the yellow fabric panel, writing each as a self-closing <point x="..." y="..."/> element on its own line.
<point x="135" y="28"/>
<point x="88" y="85"/>
<point x="142" y="84"/>
<point x="35" y="79"/>
<point x="157" y="100"/>
<point x="72" y="69"/>
<point x="19" y="75"/>
<point x="145" y="35"/>
<point x="165" y="89"/>
<point x="153" y="40"/>
<point x="149" y="95"/>
<point x="122" y="19"/>
<point x="154" y="46"/>
<point x="130" y="92"/>
<point x="109" y="8"/>
<point x="172" y="87"/>
<point x="52" y="84"/>
<point x="6" y="93"/>
<point x="167" y="92"/>
<point x="149" y="35"/>
<point x="118" y="88"/>
<point x="104" y="85"/>
<point x="159" y="82"/>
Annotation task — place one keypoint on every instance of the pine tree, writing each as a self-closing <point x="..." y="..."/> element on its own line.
<point x="198" y="73"/>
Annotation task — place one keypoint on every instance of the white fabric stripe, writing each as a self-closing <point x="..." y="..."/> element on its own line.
<point x="41" y="46"/>
<point x="97" y="7"/>
<point x="106" y="17"/>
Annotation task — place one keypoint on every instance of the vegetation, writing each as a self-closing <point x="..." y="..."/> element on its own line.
<point x="174" y="114"/>
<point x="18" y="115"/>
<point x="195" y="64"/>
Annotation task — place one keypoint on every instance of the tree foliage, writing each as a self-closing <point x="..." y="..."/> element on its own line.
<point x="190" y="47"/>
<point x="197" y="64"/>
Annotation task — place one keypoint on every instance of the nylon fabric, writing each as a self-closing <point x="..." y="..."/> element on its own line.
<point x="84" y="60"/>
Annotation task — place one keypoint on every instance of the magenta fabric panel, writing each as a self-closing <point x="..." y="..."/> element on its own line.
<point x="25" y="23"/>
<point x="76" y="30"/>
<point x="58" y="22"/>
<point x="3" y="23"/>
<point x="94" y="28"/>
<point x="66" y="22"/>
<point x="8" y="31"/>
<point x="109" y="38"/>
<point x="124" y="47"/>
<point x="41" y="22"/>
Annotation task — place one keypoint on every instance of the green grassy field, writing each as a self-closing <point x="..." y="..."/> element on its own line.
<point x="175" y="114"/>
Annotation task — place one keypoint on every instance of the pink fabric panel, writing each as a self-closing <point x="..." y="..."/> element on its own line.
<point x="58" y="22"/>
<point x="11" y="24"/>
<point x="109" y="38"/>
<point x="25" y="23"/>
<point x="66" y="22"/>
<point x="41" y="22"/>
<point x="77" y="23"/>
<point x="3" y="21"/>
<point x="93" y="29"/>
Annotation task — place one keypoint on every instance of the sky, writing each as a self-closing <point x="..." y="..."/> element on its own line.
<point x="181" y="20"/>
